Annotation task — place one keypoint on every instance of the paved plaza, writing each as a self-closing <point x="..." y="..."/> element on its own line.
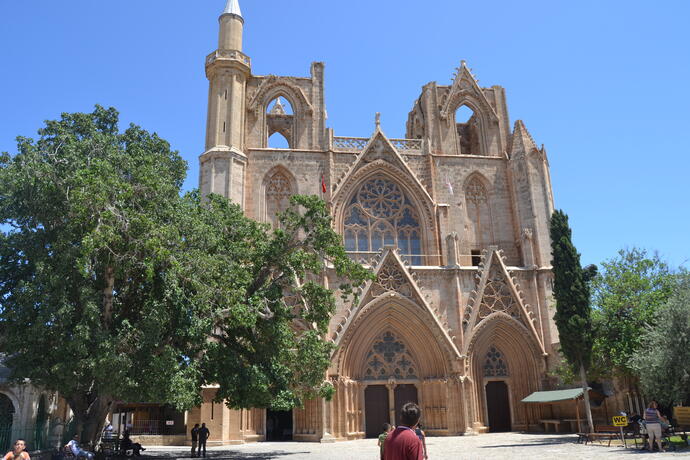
<point x="488" y="446"/>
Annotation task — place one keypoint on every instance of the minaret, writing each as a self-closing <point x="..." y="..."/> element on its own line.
<point x="223" y="163"/>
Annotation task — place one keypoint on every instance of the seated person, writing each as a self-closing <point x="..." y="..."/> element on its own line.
<point x="18" y="451"/>
<point x="108" y="434"/>
<point x="76" y="449"/>
<point x="127" y="444"/>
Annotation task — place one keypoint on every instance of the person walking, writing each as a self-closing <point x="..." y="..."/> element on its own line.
<point x="652" y="419"/>
<point x="18" y="451"/>
<point x="195" y="438"/>
<point x="422" y="437"/>
<point x="204" y="434"/>
<point x="402" y="443"/>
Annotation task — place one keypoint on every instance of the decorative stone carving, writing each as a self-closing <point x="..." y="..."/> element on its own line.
<point x="497" y="297"/>
<point x="380" y="214"/>
<point x="389" y="359"/>
<point x="494" y="364"/>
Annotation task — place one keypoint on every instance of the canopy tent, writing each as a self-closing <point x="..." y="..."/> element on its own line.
<point x="557" y="396"/>
<point x="554" y="396"/>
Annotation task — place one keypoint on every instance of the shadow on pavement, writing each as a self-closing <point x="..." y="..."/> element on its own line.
<point x="226" y="455"/>
<point x="539" y="441"/>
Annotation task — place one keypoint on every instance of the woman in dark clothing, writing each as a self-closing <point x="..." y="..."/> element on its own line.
<point x="422" y="437"/>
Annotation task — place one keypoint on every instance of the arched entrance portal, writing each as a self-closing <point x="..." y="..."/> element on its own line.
<point x="279" y="425"/>
<point x="376" y="409"/>
<point x="6" y="416"/>
<point x="403" y="395"/>
<point x="498" y="406"/>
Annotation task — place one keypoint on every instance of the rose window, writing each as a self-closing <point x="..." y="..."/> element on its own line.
<point x="380" y="214"/>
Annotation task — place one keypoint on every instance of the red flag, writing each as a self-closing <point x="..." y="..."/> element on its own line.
<point x="323" y="183"/>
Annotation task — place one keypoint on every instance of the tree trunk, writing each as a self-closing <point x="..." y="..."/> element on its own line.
<point x="585" y="389"/>
<point x="89" y="419"/>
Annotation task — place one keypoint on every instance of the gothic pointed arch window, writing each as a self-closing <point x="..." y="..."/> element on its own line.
<point x="6" y="418"/>
<point x="495" y="364"/>
<point x="279" y="189"/>
<point x="478" y="214"/>
<point x="468" y="131"/>
<point x="380" y="214"/>
<point x="279" y="123"/>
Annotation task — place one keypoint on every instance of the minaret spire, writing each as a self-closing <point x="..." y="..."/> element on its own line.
<point x="233" y="7"/>
<point x="231" y="27"/>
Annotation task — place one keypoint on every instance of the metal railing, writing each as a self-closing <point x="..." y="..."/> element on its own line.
<point x="146" y="427"/>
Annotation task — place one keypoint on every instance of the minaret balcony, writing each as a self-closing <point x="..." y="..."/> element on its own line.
<point x="228" y="56"/>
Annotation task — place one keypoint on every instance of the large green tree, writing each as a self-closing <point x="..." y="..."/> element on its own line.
<point x="663" y="360"/>
<point x="111" y="283"/>
<point x="627" y="293"/>
<point x="272" y="301"/>
<point x="572" y="293"/>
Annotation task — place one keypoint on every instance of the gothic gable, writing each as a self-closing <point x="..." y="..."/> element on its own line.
<point x="394" y="281"/>
<point x="379" y="151"/>
<point x="497" y="295"/>
<point x="465" y="89"/>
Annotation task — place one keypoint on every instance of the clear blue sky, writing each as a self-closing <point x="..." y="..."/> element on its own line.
<point x="603" y="84"/>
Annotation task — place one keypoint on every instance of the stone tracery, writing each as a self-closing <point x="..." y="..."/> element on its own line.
<point x="278" y="193"/>
<point x="380" y="214"/>
<point x="497" y="297"/>
<point x="389" y="358"/>
<point x="494" y="364"/>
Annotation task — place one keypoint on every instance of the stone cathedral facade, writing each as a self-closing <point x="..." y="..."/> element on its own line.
<point x="453" y="220"/>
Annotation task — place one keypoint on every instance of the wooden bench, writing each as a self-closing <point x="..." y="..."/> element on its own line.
<point x="601" y="433"/>
<point x="548" y="422"/>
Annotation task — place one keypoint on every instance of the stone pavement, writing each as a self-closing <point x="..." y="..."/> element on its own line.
<point x="488" y="446"/>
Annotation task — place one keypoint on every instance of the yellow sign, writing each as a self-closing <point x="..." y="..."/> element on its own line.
<point x="620" y="420"/>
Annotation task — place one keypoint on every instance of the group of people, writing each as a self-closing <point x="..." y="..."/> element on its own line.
<point x="200" y="435"/>
<point x="407" y="441"/>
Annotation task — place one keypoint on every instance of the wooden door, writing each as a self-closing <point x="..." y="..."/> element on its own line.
<point x="498" y="407"/>
<point x="376" y="409"/>
<point x="403" y="395"/>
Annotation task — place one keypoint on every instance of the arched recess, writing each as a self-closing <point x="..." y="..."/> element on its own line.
<point x="280" y="122"/>
<point x="276" y="189"/>
<point x="271" y="89"/>
<point x="478" y="206"/>
<point x="521" y="357"/>
<point x="421" y="212"/>
<point x="480" y="120"/>
<point x="468" y="131"/>
<point x="407" y="321"/>
<point x="7" y="416"/>
<point x="40" y="435"/>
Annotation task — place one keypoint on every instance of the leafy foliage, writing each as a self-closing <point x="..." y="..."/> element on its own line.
<point x="273" y="310"/>
<point x="87" y="284"/>
<point x="663" y="362"/>
<point x="571" y="291"/>
<point x="628" y="292"/>
<point x="111" y="284"/>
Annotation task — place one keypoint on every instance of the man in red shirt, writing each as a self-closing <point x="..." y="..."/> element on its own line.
<point x="403" y="443"/>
